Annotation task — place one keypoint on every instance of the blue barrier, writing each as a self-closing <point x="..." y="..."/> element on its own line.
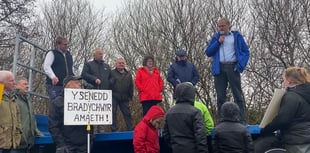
<point x="42" y="122"/>
<point x="109" y="142"/>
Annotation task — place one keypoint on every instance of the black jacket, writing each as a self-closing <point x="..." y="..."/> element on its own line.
<point x="184" y="126"/>
<point x="293" y="119"/>
<point x="97" y="70"/>
<point x="232" y="137"/>
<point x="62" y="135"/>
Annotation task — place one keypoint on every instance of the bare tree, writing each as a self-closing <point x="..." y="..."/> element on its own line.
<point x="160" y="27"/>
<point x="15" y="17"/>
<point x="281" y="40"/>
<point x="276" y="31"/>
<point x="83" y="25"/>
<point x="79" y="22"/>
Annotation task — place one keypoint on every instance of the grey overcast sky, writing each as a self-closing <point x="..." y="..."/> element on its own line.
<point x="110" y="5"/>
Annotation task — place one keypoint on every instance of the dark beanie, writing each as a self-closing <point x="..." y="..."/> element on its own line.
<point x="185" y="92"/>
<point x="230" y="112"/>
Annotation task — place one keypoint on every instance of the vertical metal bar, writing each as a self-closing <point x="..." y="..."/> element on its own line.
<point x="17" y="40"/>
<point x="32" y="58"/>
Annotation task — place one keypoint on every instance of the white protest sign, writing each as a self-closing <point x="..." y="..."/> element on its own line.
<point x="273" y="107"/>
<point x="87" y="106"/>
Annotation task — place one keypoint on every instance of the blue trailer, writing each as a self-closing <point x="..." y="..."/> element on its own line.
<point x="109" y="142"/>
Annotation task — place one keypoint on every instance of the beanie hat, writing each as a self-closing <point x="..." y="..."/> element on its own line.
<point x="180" y="52"/>
<point x="70" y="78"/>
<point x="230" y="111"/>
<point x="185" y="92"/>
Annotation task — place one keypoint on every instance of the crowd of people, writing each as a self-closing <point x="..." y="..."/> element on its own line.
<point x="186" y="126"/>
<point x="18" y="127"/>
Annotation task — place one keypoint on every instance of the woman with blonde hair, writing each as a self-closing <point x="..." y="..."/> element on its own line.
<point x="293" y="119"/>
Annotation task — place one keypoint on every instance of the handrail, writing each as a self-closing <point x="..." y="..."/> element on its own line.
<point x="20" y="39"/>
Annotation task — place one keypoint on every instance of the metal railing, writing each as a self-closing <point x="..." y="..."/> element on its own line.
<point x="31" y="67"/>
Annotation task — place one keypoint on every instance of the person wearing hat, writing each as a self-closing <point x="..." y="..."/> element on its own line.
<point x="184" y="127"/>
<point x="145" y="136"/>
<point x="182" y="70"/>
<point x="68" y="139"/>
<point x="230" y="135"/>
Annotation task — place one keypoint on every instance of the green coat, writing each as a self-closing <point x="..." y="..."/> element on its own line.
<point x="28" y="122"/>
<point x="206" y="116"/>
<point x="209" y="124"/>
<point x="10" y="131"/>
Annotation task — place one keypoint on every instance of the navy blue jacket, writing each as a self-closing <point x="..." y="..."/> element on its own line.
<point x="185" y="73"/>
<point x="61" y="66"/>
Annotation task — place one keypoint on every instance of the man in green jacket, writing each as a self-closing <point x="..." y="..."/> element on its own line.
<point x="122" y="92"/>
<point x="10" y="130"/>
<point x="28" y="122"/>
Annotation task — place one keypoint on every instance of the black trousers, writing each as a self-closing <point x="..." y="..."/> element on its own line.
<point x="124" y="107"/>
<point x="229" y="75"/>
<point x="147" y="104"/>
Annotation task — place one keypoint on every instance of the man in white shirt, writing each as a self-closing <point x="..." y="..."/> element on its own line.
<point x="58" y="64"/>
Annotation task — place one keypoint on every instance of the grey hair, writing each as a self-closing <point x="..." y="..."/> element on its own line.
<point x="20" y="78"/>
<point x="4" y="75"/>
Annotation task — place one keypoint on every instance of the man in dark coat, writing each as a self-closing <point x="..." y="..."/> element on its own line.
<point x="182" y="70"/>
<point x="97" y="72"/>
<point x="184" y="126"/>
<point x="68" y="139"/>
<point x="122" y="92"/>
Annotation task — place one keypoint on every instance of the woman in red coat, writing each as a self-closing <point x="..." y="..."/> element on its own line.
<point x="145" y="136"/>
<point x="149" y="84"/>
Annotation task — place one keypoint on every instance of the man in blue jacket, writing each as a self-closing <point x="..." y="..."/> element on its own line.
<point x="230" y="55"/>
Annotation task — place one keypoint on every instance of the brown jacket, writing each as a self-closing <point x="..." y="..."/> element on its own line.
<point x="10" y="131"/>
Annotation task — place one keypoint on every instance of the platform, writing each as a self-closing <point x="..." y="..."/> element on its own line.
<point x="110" y="142"/>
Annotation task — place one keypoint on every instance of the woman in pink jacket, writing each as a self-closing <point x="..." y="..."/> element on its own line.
<point x="149" y="84"/>
<point x="145" y="136"/>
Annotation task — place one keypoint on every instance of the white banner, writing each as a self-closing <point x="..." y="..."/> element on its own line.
<point x="273" y="107"/>
<point x="87" y="106"/>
